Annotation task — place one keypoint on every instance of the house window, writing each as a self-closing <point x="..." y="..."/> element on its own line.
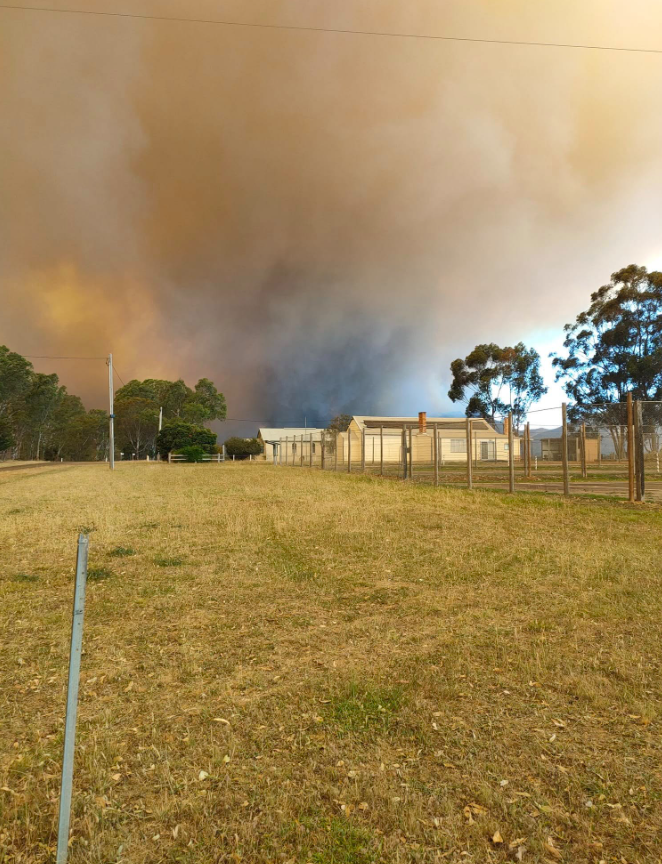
<point x="458" y="445"/>
<point x="506" y="447"/>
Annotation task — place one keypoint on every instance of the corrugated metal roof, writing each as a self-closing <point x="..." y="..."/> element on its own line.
<point x="275" y="434"/>
<point x="479" y="425"/>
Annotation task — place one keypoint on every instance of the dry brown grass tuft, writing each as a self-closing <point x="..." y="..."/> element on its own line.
<point x="282" y="665"/>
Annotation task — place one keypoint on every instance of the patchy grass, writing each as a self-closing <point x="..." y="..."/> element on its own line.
<point x="121" y="552"/>
<point x="97" y="574"/>
<point x="346" y="671"/>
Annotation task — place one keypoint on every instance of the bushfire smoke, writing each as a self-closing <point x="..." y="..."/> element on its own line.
<point x="319" y="222"/>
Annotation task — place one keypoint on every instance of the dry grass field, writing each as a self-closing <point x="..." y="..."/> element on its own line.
<point x="288" y="666"/>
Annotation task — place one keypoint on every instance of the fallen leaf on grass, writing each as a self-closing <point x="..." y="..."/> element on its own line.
<point x="203" y="775"/>
<point x="497" y="838"/>
<point x="515" y="843"/>
<point x="551" y="848"/>
<point x="221" y="720"/>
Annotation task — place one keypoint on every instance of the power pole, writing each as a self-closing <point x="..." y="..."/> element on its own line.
<point x="111" y="415"/>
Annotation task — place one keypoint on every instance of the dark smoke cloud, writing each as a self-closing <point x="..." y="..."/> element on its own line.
<point x="318" y="222"/>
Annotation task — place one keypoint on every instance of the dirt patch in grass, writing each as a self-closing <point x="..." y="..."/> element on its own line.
<point x="354" y="671"/>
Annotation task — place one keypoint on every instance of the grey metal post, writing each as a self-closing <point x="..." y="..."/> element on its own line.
<point x="411" y="454"/>
<point x="310" y="455"/>
<point x="111" y="415"/>
<point x="435" y="453"/>
<point x="381" y="451"/>
<point x="349" y="450"/>
<point x="363" y="450"/>
<point x="470" y="467"/>
<point x="323" y="456"/>
<point x="72" y="700"/>
<point x="564" y="449"/>
<point x="511" y="454"/>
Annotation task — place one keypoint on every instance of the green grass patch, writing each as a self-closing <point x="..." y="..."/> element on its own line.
<point x="363" y="706"/>
<point x="98" y="574"/>
<point x="25" y="577"/>
<point x="164" y="561"/>
<point x="121" y="552"/>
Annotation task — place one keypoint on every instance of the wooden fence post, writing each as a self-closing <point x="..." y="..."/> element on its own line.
<point x="470" y="474"/>
<point x="435" y="451"/>
<point x="404" y="452"/>
<point x="630" y="422"/>
<point x="411" y="454"/>
<point x="381" y="451"/>
<point x="640" y="464"/>
<point x="584" y="457"/>
<point x="564" y="449"/>
<point x="323" y="456"/>
<point x="349" y="450"/>
<point x="363" y="450"/>
<point x="335" y="452"/>
<point x="310" y="455"/>
<point x="511" y="454"/>
<point x="528" y="450"/>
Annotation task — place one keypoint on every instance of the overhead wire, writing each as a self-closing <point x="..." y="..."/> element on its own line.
<point x="337" y="30"/>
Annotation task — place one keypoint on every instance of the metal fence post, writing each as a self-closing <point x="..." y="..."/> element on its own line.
<point x="381" y="451"/>
<point x="435" y="452"/>
<point x="511" y="454"/>
<point x="564" y="449"/>
<point x="630" y="430"/>
<point x="470" y="476"/>
<point x="72" y="700"/>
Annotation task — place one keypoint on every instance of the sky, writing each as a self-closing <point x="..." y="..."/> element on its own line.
<point x="319" y="222"/>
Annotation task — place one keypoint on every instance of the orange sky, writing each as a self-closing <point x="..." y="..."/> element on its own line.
<point x="318" y="221"/>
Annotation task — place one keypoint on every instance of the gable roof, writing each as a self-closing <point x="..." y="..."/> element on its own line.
<point x="275" y="434"/>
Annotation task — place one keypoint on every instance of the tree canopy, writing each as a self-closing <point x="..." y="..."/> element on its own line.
<point x="40" y="419"/>
<point x="615" y="346"/>
<point x="178" y="434"/>
<point x="340" y="423"/>
<point x="494" y="381"/>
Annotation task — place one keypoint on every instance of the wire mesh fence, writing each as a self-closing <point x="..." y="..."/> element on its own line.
<point x="612" y="450"/>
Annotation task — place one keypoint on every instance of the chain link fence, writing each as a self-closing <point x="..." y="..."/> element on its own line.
<point x="611" y="450"/>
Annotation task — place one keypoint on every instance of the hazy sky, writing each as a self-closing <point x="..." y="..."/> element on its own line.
<point x="319" y="222"/>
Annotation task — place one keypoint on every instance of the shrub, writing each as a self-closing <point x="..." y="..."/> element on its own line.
<point x="177" y="434"/>
<point x="193" y="453"/>
<point x="242" y="448"/>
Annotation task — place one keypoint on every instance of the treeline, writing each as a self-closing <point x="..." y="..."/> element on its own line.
<point x="39" y="419"/>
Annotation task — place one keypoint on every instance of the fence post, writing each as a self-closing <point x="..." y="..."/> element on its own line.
<point x="411" y="454"/>
<point x="528" y="449"/>
<point x="639" y="450"/>
<point x="511" y="454"/>
<point x="310" y="454"/>
<point x="323" y="455"/>
<point x="349" y="450"/>
<point x="72" y="700"/>
<point x="435" y="452"/>
<point x="470" y="466"/>
<point x="404" y="452"/>
<point x="630" y="422"/>
<point x="363" y="450"/>
<point x="335" y="452"/>
<point x="564" y="449"/>
<point x="169" y="456"/>
<point x="584" y="458"/>
<point x="381" y="451"/>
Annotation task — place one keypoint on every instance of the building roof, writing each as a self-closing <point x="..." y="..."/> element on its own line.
<point x="276" y="434"/>
<point x="479" y="425"/>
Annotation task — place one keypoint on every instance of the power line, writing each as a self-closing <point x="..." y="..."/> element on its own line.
<point x="337" y="30"/>
<point x="40" y="357"/>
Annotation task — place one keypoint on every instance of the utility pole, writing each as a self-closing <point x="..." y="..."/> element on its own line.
<point x="111" y="415"/>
